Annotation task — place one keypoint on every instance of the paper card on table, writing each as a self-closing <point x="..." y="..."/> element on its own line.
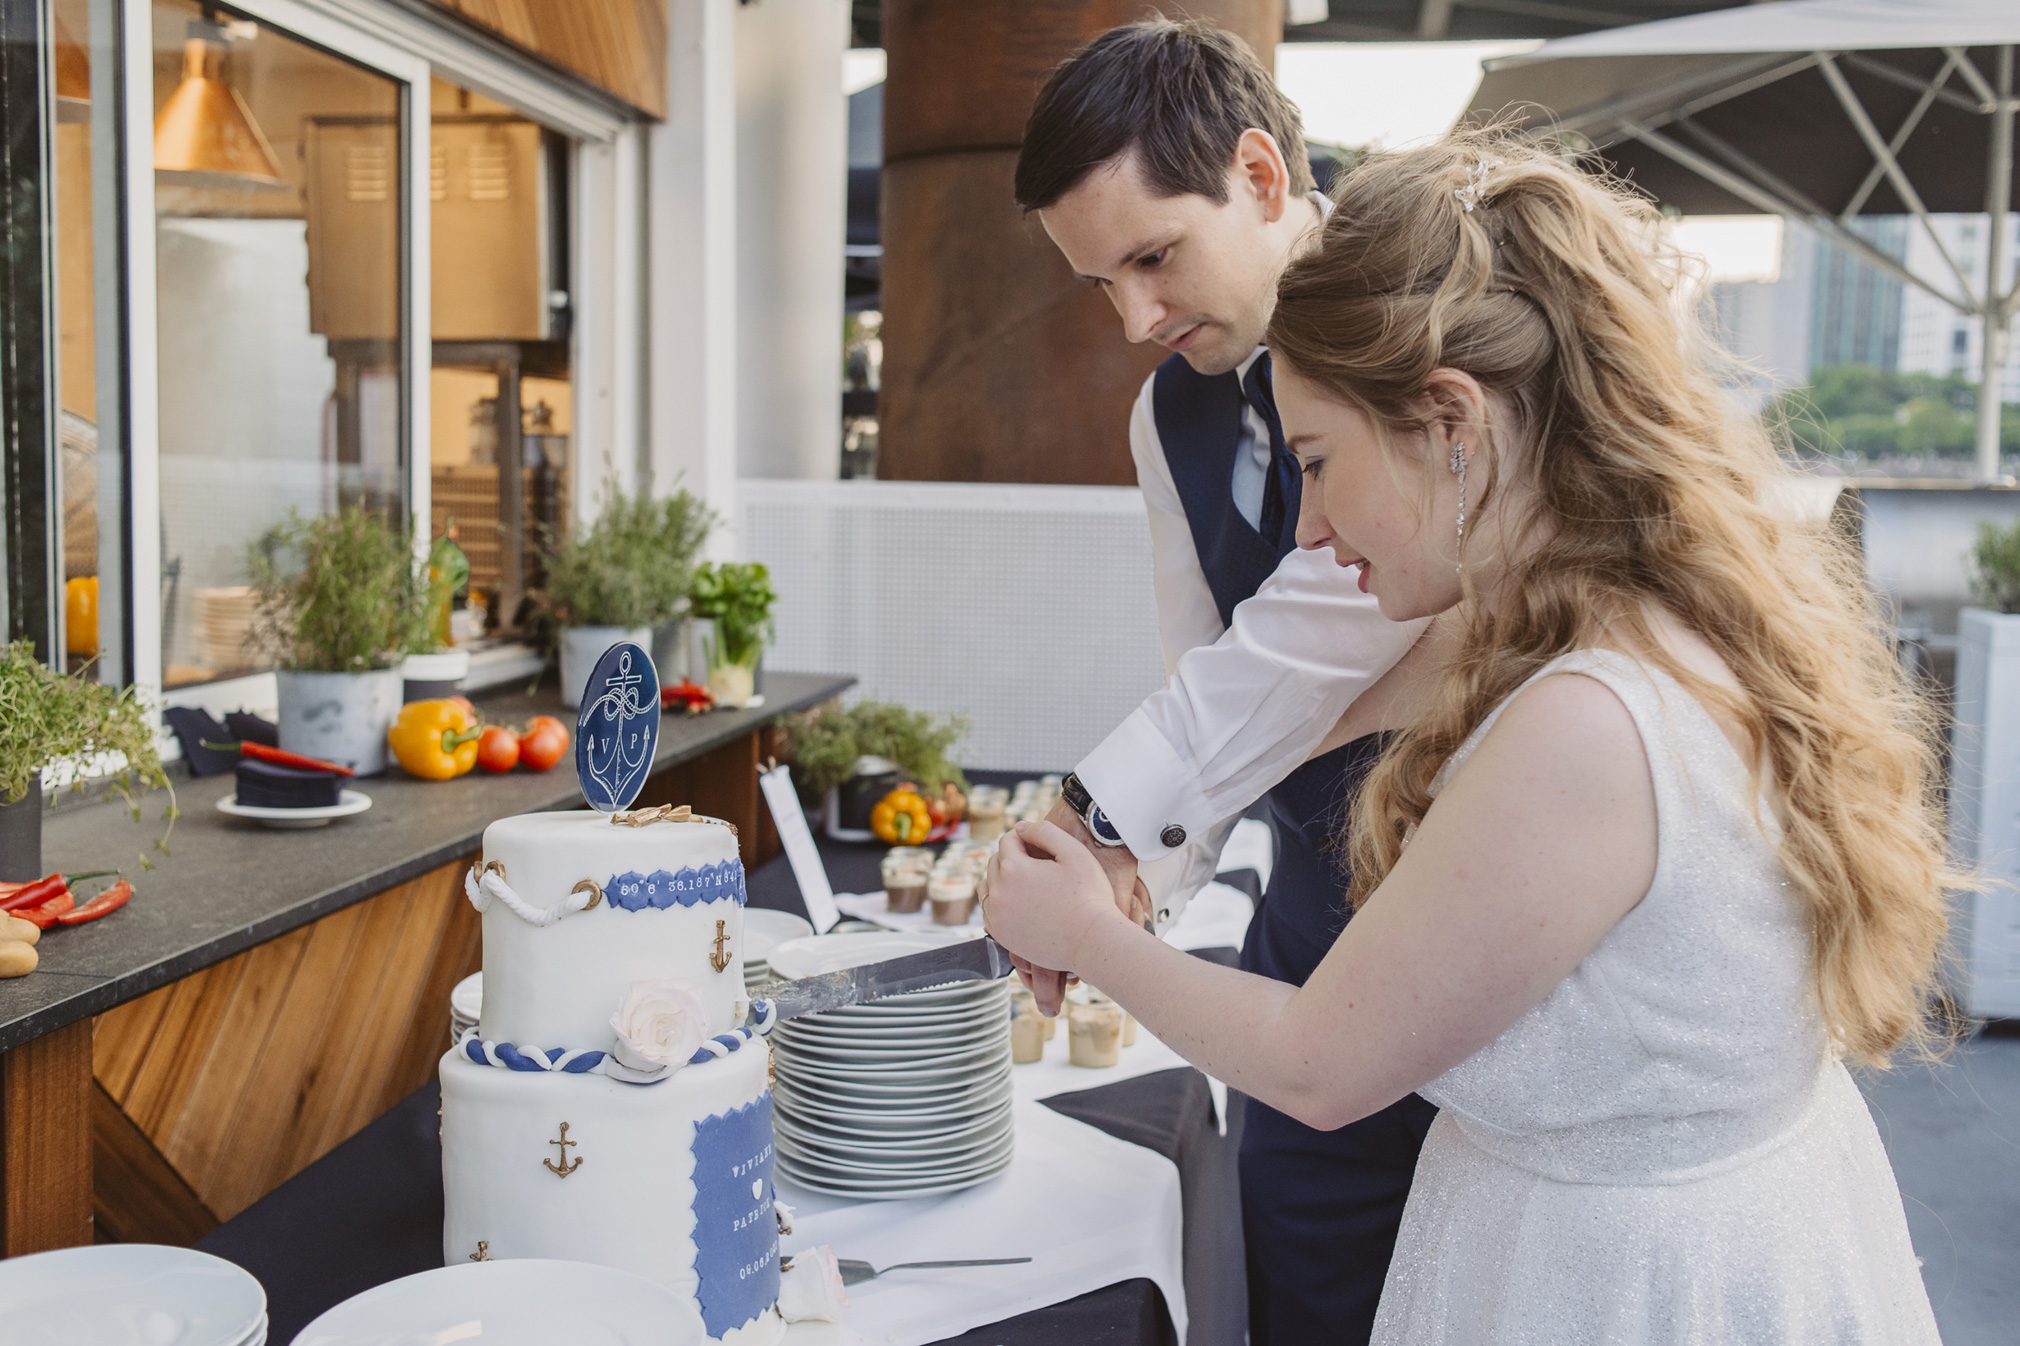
<point x="801" y="853"/>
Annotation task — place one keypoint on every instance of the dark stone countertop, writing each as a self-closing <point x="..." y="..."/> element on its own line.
<point x="228" y="884"/>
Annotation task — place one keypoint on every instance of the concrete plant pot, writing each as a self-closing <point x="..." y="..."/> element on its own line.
<point x="340" y="717"/>
<point x="582" y="646"/>
<point x="429" y="677"/>
<point x="21" y="837"/>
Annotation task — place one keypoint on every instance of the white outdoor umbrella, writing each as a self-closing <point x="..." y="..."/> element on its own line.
<point x="1815" y="110"/>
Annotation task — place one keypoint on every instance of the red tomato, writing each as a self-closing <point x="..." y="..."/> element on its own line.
<point x="543" y="742"/>
<point x="497" y="750"/>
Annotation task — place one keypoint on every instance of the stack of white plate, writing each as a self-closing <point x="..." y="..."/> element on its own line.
<point x="126" y="1293"/>
<point x="764" y="930"/>
<point x="527" y="1301"/>
<point x="466" y="1004"/>
<point x="907" y="1096"/>
<point x="224" y="621"/>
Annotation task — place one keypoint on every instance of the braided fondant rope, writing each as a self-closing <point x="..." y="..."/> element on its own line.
<point x="583" y="1061"/>
<point x="764" y="1017"/>
<point x="487" y="885"/>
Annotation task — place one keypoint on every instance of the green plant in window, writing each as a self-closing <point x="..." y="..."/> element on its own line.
<point x="824" y="744"/>
<point x="1995" y="566"/>
<point x="632" y="566"/>
<point x="339" y="593"/>
<point x="47" y="717"/>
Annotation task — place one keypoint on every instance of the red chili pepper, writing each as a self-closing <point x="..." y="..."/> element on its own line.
<point x="45" y="915"/>
<point x="34" y="894"/>
<point x="279" y="757"/>
<point x="111" y="899"/>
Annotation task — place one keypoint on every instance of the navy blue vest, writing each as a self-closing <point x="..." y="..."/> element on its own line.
<point x="1199" y="423"/>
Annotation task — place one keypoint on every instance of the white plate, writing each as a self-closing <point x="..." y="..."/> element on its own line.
<point x="348" y="803"/>
<point x="794" y="959"/>
<point x="939" y="1058"/>
<point x="914" y="1133"/>
<point x="466" y="999"/>
<point x="513" y="1302"/>
<point x="765" y="929"/>
<point x="914" y="1087"/>
<point x="126" y="1293"/>
<point x="971" y="1100"/>
<point x="872" y="1167"/>
<point x="860" y="1033"/>
<point x="894" y="1189"/>
<point x="939" y="1149"/>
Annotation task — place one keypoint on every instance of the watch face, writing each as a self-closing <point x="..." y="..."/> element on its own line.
<point x="1097" y="823"/>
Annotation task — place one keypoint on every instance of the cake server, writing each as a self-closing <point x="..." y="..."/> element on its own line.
<point x="971" y="960"/>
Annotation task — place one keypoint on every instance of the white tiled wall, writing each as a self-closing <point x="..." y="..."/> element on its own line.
<point x="1029" y="608"/>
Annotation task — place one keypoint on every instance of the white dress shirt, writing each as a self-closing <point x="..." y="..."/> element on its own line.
<point x="1244" y="705"/>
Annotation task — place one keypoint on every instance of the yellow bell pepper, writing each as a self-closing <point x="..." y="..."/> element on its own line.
<point x="900" y="817"/>
<point x="435" y="740"/>
<point x="80" y="615"/>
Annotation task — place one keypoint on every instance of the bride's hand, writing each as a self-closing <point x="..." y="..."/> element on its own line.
<point x="1047" y="892"/>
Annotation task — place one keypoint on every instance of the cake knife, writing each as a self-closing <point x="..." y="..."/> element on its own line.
<point x="971" y="960"/>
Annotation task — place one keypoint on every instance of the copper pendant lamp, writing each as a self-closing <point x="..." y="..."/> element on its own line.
<point x="205" y="135"/>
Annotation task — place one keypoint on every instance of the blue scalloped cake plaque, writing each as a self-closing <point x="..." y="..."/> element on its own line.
<point x="736" y="1235"/>
<point x="634" y="891"/>
<point x="617" y="728"/>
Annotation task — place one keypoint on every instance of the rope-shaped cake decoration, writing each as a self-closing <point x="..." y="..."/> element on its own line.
<point x="587" y="1061"/>
<point x="666" y="813"/>
<point x="486" y="885"/>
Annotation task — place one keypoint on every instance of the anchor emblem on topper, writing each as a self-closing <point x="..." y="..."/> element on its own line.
<point x="617" y="729"/>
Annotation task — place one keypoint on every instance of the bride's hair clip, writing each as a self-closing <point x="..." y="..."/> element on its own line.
<point x="1476" y="182"/>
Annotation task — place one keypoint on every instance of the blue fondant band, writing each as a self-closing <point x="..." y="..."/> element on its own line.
<point x="585" y="1062"/>
<point x="634" y="891"/>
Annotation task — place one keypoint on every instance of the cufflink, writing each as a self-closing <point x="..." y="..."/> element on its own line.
<point x="1173" y="836"/>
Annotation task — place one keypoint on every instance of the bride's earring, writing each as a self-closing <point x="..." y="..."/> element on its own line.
<point x="1459" y="471"/>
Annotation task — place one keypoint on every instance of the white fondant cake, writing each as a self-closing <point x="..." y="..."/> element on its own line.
<point x="607" y="1108"/>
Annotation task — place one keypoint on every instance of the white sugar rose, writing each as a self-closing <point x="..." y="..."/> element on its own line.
<point x="660" y="1024"/>
<point x="810" y="1287"/>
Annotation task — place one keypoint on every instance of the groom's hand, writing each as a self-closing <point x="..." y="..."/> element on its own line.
<point x="1132" y="899"/>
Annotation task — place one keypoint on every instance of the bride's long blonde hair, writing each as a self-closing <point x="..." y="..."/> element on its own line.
<point x="1553" y="291"/>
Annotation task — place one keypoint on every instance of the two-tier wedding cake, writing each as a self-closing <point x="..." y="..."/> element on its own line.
<point x="609" y="1107"/>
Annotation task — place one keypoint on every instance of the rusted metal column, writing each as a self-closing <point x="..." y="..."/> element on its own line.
<point x="998" y="364"/>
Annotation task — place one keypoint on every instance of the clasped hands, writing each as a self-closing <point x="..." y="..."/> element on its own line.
<point x="1048" y="885"/>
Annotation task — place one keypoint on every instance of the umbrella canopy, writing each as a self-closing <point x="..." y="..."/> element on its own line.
<point x="1817" y="110"/>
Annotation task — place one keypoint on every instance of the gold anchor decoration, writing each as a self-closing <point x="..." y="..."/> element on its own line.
<point x="483" y="1253"/>
<point x="720" y="958"/>
<point x="566" y="1166"/>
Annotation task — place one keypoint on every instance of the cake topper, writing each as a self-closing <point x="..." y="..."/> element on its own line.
<point x="618" y="727"/>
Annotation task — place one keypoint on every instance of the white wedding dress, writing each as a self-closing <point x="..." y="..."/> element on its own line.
<point x="1665" y="1149"/>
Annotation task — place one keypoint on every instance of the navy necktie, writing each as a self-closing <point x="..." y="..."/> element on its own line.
<point x="1280" y="484"/>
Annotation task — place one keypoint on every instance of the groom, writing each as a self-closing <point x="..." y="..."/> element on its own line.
<point x="1170" y="171"/>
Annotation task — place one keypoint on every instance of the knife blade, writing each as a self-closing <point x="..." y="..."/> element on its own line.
<point x="972" y="960"/>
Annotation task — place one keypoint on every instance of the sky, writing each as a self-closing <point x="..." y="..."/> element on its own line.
<point x="1393" y="93"/>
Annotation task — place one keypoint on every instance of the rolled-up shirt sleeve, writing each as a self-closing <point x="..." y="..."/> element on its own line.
<point x="1242" y="707"/>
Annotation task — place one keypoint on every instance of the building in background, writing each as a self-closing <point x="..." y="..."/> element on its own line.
<point x="1935" y="338"/>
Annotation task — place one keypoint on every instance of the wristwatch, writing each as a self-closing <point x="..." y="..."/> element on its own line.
<point x="1076" y="797"/>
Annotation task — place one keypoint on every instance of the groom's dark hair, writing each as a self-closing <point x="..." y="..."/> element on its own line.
<point x="1179" y="94"/>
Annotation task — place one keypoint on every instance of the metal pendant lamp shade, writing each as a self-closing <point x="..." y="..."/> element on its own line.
<point x="205" y="136"/>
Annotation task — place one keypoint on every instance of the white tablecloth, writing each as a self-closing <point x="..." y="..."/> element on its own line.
<point x="1090" y="1210"/>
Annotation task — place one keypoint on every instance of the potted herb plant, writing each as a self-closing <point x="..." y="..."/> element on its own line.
<point x="620" y="577"/>
<point x="46" y="718"/>
<point x="1984" y="791"/>
<point x="344" y="599"/>
<point x="848" y="759"/>
<point x="737" y="598"/>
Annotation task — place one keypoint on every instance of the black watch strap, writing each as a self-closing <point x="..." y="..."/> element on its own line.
<point x="1076" y="797"/>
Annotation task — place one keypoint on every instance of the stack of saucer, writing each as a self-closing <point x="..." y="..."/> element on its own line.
<point x="129" y="1292"/>
<point x="904" y="1097"/>
<point x="763" y="930"/>
<point x="466" y="1005"/>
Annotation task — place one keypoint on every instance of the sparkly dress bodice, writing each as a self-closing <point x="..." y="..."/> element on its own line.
<point x="1665" y="1149"/>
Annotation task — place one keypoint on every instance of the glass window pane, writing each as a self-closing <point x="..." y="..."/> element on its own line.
<point x="278" y="169"/>
<point x="85" y="206"/>
<point x="498" y="207"/>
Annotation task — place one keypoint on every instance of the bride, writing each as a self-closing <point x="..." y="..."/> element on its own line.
<point x="1654" y="856"/>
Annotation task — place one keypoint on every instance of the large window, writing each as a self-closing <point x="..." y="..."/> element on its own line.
<point x="501" y="400"/>
<point x="281" y="368"/>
